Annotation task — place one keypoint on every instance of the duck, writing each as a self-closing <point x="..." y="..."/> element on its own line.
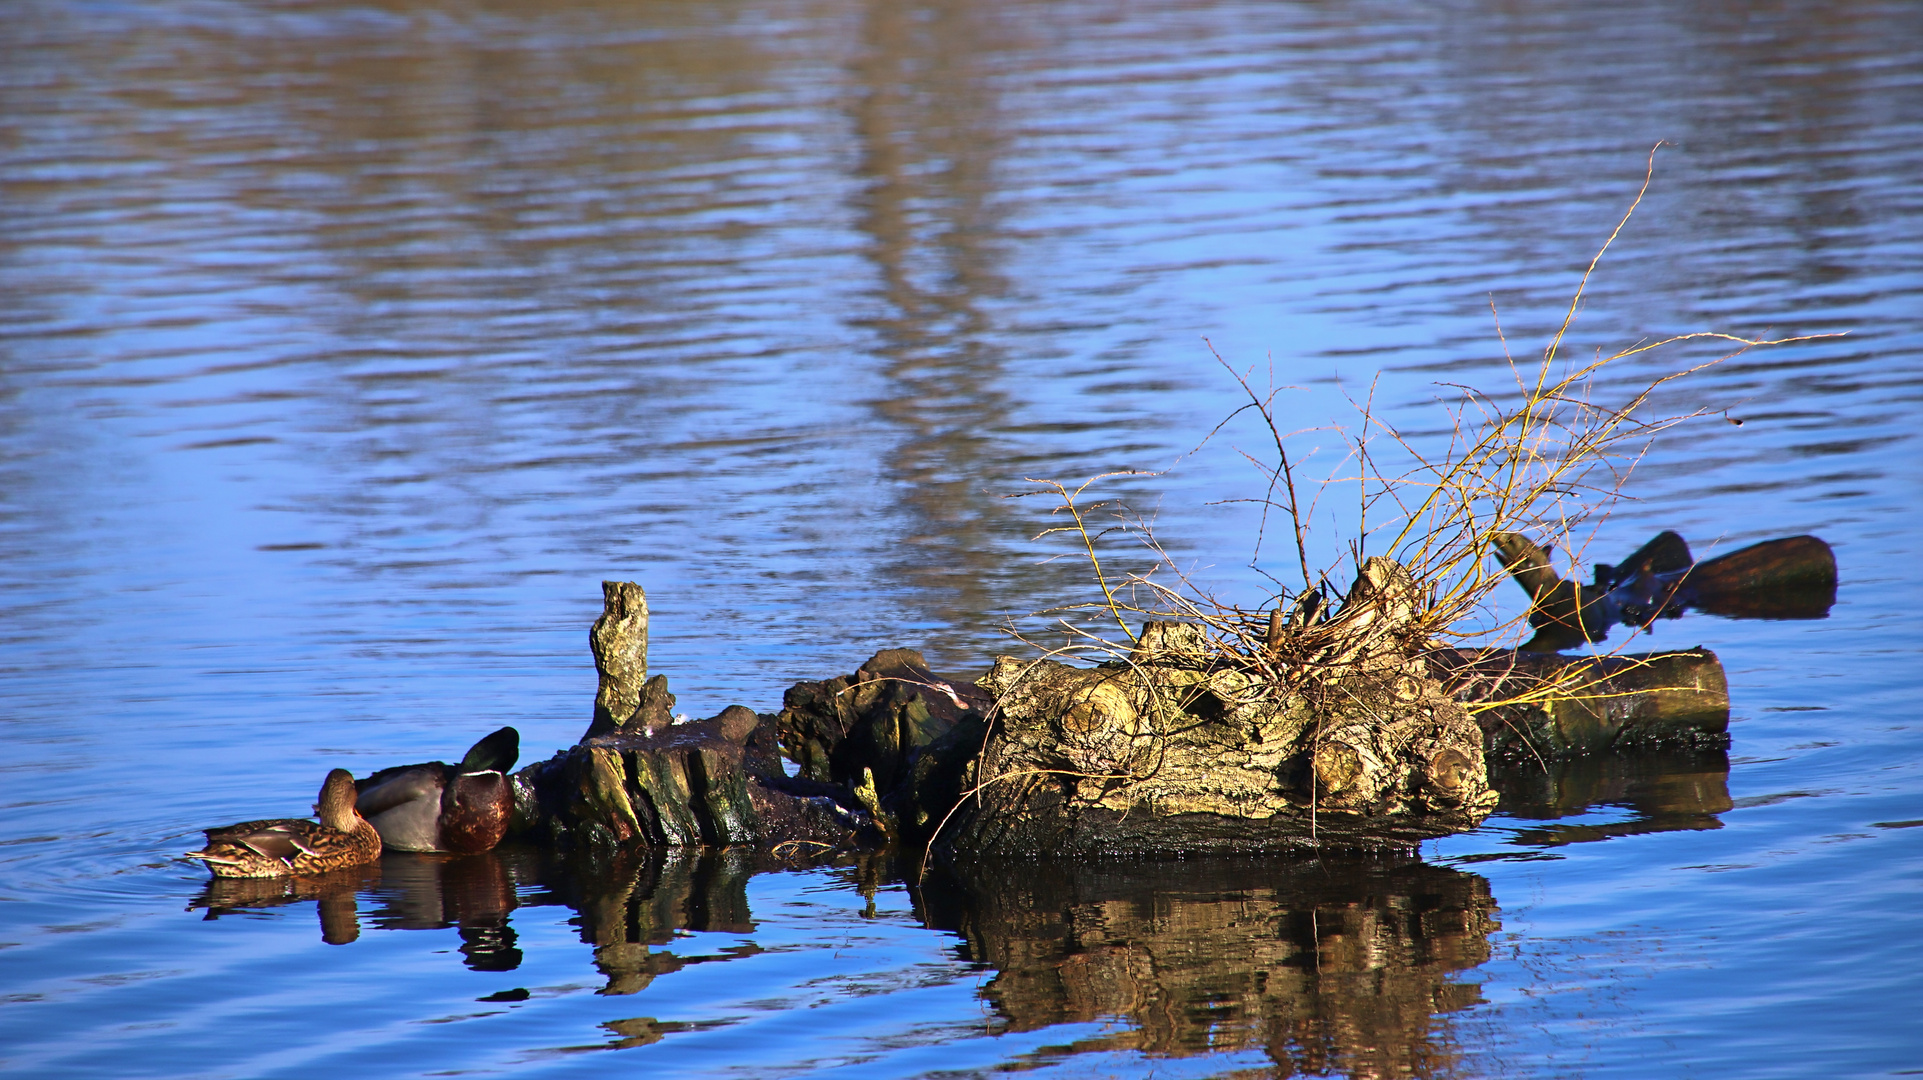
<point x="437" y="807"/>
<point x="286" y="847"/>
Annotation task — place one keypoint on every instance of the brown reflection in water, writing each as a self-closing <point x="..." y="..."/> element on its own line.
<point x="335" y="895"/>
<point x="630" y="903"/>
<point x="1668" y="791"/>
<point x="1325" y="965"/>
<point x="1332" y="965"/>
<point x="633" y="902"/>
<point x="472" y="893"/>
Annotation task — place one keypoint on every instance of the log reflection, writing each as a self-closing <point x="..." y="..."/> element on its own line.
<point x="633" y="903"/>
<point x="1347" y="965"/>
<point x="630" y="904"/>
<point x="471" y="893"/>
<point x="1667" y="791"/>
<point x="1325" y="965"/>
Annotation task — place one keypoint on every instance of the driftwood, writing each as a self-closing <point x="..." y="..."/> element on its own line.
<point x="1169" y="751"/>
<point x="1606" y="703"/>
<point x="1791" y="578"/>
<point x="1177" y="748"/>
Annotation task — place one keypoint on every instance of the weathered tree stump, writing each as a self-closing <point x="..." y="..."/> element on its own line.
<point x="620" y="644"/>
<point x="1175" y="751"/>
<point x="636" y="778"/>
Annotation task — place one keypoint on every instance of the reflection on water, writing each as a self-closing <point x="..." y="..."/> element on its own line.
<point x="1666" y="791"/>
<point x="630" y="904"/>
<point x="337" y="895"/>
<point x="1349" y="965"/>
<point x="1323" y="965"/>
<point x="408" y="892"/>
<point x="345" y="345"/>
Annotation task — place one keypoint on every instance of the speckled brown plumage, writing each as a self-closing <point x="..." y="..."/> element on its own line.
<point x="283" y="847"/>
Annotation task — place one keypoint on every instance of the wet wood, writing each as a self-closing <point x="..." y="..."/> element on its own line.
<point x="1183" y="750"/>
<point x="1177" y="750"/>
<point x="639" y="779"/>
<point x="1661" y="699"/>
<point x="1791" y="578"/>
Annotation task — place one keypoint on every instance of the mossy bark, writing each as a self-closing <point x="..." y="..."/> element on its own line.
<point x="1151" y="758"/>
<point x="1182" y="749"/>
<point x="636" y="779"/>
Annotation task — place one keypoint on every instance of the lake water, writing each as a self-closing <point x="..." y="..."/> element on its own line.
<point x="346" y="347"/>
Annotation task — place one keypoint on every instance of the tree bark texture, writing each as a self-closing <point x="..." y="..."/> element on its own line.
<point x="636" y="778"/>
<point x="1642" y="701"/>
<point x="619" y="641"/>
<point x="1158" y="756"/>
<point x="1179" y="749"/>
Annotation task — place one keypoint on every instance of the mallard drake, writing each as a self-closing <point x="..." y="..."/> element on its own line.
<point x="436" y="807"/>
<point x="287" y="846"/>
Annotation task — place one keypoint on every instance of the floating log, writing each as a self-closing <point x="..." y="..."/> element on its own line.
<point x="1790" y="578"/>
<point x="1566" y="706"/>
<point x="1372" y="739"/>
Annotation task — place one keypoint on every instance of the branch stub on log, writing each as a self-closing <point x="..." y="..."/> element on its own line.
<point x="619" y="642"/>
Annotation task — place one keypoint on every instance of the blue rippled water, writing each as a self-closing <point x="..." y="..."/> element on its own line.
<point x="346" y="347"/>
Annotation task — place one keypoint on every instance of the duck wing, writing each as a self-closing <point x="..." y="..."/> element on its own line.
<point x="276" y="839"/>
<point x="398" y="786"/>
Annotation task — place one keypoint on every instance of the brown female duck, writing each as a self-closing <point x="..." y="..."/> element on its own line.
<point x="287" y="846"/>
<point x="437" y="807"/>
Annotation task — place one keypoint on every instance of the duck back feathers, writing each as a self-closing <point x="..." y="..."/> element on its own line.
<point x="283" y="847"/>
<point x="434" y="806"/>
